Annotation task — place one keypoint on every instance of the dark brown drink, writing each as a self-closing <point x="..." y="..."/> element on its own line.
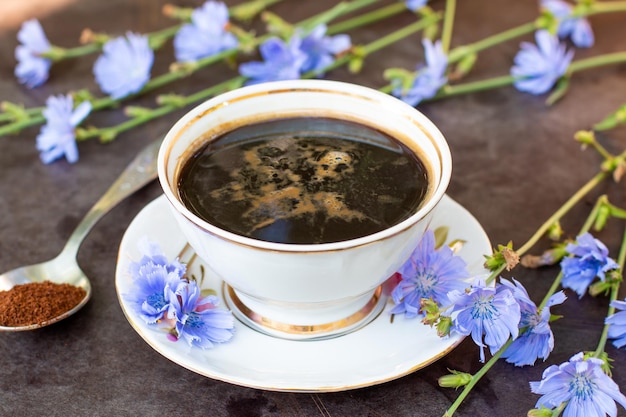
<point x="303" y="180"/>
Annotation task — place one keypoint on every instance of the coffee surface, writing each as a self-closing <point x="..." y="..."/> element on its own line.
<point x="303" y="180"/>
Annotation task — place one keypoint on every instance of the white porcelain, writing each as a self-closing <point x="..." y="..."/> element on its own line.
<point x="304" y="285"/>
<point x="378" y="352"/>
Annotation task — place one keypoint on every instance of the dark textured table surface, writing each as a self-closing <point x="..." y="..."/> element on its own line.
<point x="515" y="163"/>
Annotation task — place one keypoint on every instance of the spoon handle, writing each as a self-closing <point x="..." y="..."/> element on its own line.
<point x="138" y="173"/>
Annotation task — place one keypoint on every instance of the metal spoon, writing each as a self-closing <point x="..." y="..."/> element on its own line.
<point x="64" y="268"/>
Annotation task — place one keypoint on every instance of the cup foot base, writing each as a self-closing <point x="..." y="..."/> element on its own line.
<point x="264" y="323"/>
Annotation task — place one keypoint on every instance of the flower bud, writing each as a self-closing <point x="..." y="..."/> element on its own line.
<point x="600" y="287"/>
<point x="603" y="215"/>
<point x="585" y="137"/>
<point x="430" y="309"/>
<point x="539" y="412"/>
<point x="443" y="326"/>
<point x="555" y="231"/>
<point x="455" y="379"/>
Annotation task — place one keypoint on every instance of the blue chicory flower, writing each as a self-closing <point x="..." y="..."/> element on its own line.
<point x="538" y="67"/>
<point x="429" y="79"/>
<point x="153" y="276"/>
<point x="57" y="137"/>
<point x="281" y="61"/>
<point x="486" y="311"/>
<point x="617" y="324"/>
<point x="428" y="273"/>
<point x="582" y="384"/>
<point x="590" y="259"/>
<point x="32" y="69"/>
<point x="124" y="66"/>
<point x="153" y="256"/>
<point x="537" y="340"/>
<point x="577" y="28"/>
<point x="198" y="321"/>
<point x="414" y="5"/>
<point x="206" y="35"/>
<point x="321" y="50"/>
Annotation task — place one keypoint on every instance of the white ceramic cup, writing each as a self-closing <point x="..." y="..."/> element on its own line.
<point x="304" y="291"/>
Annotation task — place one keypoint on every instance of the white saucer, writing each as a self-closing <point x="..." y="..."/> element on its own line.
<point x="376" y="353"/>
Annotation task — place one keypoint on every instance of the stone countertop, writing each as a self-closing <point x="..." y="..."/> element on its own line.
<point x="515" y="162"/>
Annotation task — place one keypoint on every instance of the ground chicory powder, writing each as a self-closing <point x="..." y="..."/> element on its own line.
<point x="37" y="302"/>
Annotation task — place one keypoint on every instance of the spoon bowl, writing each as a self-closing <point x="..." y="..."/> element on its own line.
<point x="64" y="268"/>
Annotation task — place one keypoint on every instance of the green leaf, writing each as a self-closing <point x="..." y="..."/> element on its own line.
<point x="612" y="120"/>
<point x="607" y="123"/>
<point x="554" y="317"/>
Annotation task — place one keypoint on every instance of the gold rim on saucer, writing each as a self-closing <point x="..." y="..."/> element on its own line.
<point x="266" y="325"/>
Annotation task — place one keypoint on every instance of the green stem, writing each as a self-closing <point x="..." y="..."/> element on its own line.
<point x="399" y="34"/>
<point x="458" y="53"/>
<point x="58" y="53"/>
<point x="367" y="18"/>
<point x="162" y="110"/>
<point x="573" y="200"/>
<point x="607" y="7"/>
<point x="234" y="82"/>
<point x="557" y="281"/>
<point x="159" y="81"/>
<point x="251" y="8"/>
<point x="343" y="9"/>
<point x="553" y="288"/>
<point x="17" y="126"/>
<point x="556" y="216"/>
<point x="237" y="81"/>
<point x="206" y="93"/>
<point x="555" y="285"/>
<point x="33" y="111"/>
<point x="621" y="261"/>
<point x="576" y="66"/>
<point x="611" y="310"/>
<point x="448" y="24"/>
<point x="66" y="53"/>
<point x="365" y="50"/>
<point x="475" y="378"/>
<point x="597" y="61"/>
<point x="455" y="90"/>
<point x="592" y="215"/>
